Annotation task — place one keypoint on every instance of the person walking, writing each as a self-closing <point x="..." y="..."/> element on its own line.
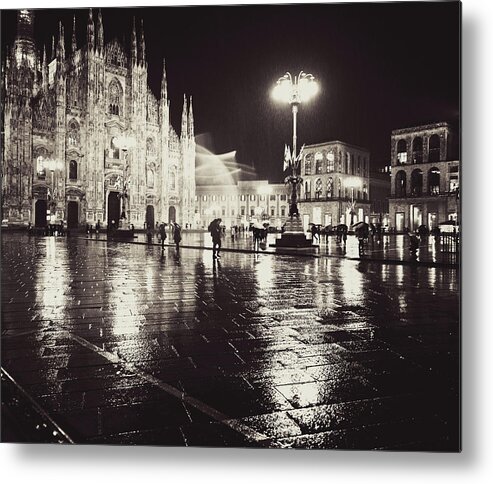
<point x="177" y="236"/>
<point x="215" y="231"/>
<point x="162" y="234"/>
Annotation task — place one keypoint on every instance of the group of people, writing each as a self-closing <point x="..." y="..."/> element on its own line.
<point x="161" y="230"/>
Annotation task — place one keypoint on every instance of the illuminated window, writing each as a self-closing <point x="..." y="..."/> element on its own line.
<point x="330" y="162"/>
<point x="252" y="198"/>
<point x="402" y="152"/>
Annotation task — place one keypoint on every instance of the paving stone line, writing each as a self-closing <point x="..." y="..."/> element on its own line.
<point x="235" y="424"/>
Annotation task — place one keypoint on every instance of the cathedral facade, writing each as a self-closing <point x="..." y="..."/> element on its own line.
<point x="84" y="137"/>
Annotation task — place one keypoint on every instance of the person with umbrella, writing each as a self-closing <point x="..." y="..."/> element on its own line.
<point x="362" y="231"/>
<point x="177" y="236"/>
<point x="215" y="231"/>
<point x="162" y="234"/>
<point x="258" y="234"/>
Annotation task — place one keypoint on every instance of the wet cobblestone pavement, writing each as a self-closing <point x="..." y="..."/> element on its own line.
<point x="119" y="343"/>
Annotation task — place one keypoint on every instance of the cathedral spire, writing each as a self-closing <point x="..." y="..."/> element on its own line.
<point x="164" y="83"/>
<point x="191" y="133"/>
<point x="44" y="70"/>
<point x="90" y="31"/>
<point x="74" y="38"/>
<point x="61" y="43"/>
<point x="100" y="39"/>
<point x="142" y="44"/>
<point x="53" y="51"/>
<point x="184" y="121"/>
<point x="133" y="42"/>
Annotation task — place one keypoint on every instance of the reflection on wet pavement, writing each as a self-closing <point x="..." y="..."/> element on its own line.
<point x="120" y="343"/>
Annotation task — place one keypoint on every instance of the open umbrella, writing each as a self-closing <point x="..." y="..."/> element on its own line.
<point x="360" y="225"/>
<point x="257" y="225"/>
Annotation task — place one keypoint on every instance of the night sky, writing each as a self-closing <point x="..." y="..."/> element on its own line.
<point x="380" y="67"/>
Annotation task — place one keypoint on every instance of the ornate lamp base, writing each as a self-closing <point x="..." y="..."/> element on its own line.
<point x="293" y="235"/>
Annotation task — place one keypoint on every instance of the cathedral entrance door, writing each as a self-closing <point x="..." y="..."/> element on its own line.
<point x="172" y="214"/>
<point x="40" y="213"/>
<point x="113" y="208"/>
<point x="150" y="216"/>
<point x="72" y="215"/>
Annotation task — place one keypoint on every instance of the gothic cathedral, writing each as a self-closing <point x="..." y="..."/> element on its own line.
<point x="79" y="126"/>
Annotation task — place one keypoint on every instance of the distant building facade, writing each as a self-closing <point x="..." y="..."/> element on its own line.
<point x="425" y="177"/>
<point x="380" y="194"/>
<point x="336" y="184"/>
<point x="242" y="203"/>
<point x="91" y="111"/>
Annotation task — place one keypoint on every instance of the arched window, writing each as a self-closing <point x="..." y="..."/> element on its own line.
<point x="114" y="150"/>
<point x="318" y="188"/>
<point x="150" y="147"/>
<point x="115" y="97"/>
<point x="434" y="148"/>
<point x="330" y="162"/>
<point x="418" y="150"/>
<point x="400" y="184"/>
<point x="308" y="164"/>
<point x="73" y="133"/>
<point x="348" y="162"/>
<point x="318" y="163"/>
<point x="72" y="170"/>
<point x="401" y="152"/>
<point x="330" y="187"/>
<point x="339" y="188"/>
<point x="307" y="189"/>
<point x="150" y="178"/>
<point x="41" y="156"/>
<point x="417" y="183"/>
<point x="434" y="181"/>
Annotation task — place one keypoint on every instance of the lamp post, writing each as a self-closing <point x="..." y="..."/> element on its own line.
<point x="124" y="143"/>
<point x="350" y="183"/>
<point x="294" y="91"/>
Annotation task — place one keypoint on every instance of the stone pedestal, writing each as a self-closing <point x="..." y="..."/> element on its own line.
<point x="293" y="235"/>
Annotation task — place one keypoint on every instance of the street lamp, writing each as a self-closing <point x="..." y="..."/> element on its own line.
<point x="294" y="91"/>
<point x="124" y="143"/>
<point x="351" y="183"/>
